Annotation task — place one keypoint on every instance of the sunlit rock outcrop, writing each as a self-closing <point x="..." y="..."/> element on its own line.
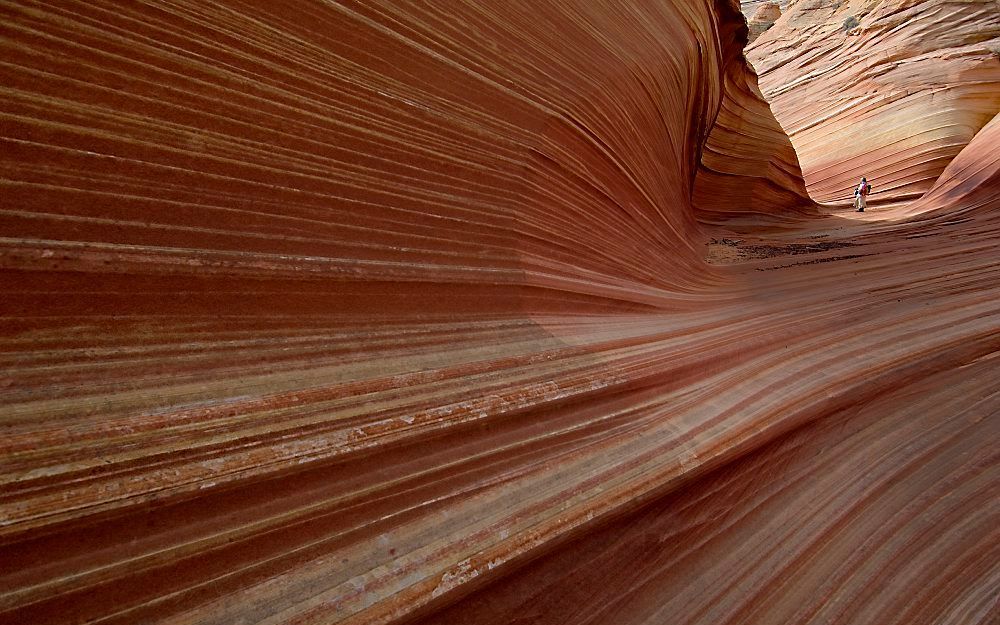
<point x="473" y="312"/>
<point x="970" y="182"/>
<point x="889" y="89"/>
<point x="763" y="18"/>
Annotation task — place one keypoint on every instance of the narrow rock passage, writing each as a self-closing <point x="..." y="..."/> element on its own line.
<point x="471" y="312"/>
<point x="888" y="89"/>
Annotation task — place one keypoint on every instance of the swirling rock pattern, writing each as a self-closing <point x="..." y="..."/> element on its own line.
<point x="747" y="164"/>
<point x="378" y="312"/>
<point x="888" y="89"/>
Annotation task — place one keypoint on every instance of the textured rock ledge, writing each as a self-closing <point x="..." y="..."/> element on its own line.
<point x="365" y="313"/>
<point x="891" y="89"/>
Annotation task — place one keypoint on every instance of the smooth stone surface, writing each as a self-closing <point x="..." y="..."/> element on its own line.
<point x="471" y="312"/>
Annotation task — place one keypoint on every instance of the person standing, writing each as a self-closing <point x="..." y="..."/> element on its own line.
<point x="861" y="195"/>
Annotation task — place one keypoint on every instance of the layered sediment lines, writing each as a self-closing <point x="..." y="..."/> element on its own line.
<point x="888" y="89"/>
<point x="383" y="313"/>
<point x="747" y="164"/>
<point x="971" y="182"/>
<point x="826" y="511"/>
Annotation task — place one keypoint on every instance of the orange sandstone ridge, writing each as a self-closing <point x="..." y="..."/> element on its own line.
<point x="479" y="313"/>
<point x="889" y="89"/>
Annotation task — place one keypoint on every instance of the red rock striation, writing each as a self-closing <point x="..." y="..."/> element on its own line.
<point x="747" y="164"/>
<point x="382" y="313"/>
<point x="889" y="89"/>
<point x="971" y="182"/>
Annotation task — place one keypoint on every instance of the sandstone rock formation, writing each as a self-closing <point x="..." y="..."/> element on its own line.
<point x="382" y="312"/>
<point x="749" y="7"/>
<point x="747" y="163"/>
<point x="764" y="17"/>
<point x="891" y="89"/>
<point x="971" y="182"/>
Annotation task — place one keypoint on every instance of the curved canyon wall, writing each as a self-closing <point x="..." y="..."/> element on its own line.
<point x="970" y="182"/>
<point x="888" y="89"/>
<point x="386" y="312"/>
<point x="747" y="165"/>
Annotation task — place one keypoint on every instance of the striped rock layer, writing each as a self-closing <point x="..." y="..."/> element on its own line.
<point x="470" y="312"/>
<point x="887" y="89"/>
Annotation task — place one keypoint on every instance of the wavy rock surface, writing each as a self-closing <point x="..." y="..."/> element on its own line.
<point x="971" y="182"/>
<point x="377" y="313"/>
<point x="747" y="163"/>
<point x="888" y="89"/>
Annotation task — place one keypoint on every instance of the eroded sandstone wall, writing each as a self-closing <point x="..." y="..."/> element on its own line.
<point x="747" y="165"/>
<point x="268" y="265"/>
<point x="763" y="18"/>
<point x="970" y="182"/>
<point x="888" y="89"/>
<point x="379" y="312"/>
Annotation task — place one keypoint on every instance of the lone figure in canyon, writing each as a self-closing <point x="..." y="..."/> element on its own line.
<point x="861" y="195"/>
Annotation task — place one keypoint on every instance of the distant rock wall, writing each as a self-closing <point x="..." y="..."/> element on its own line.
<point x="763" y="18"/>
<point x="888" y="89"/>
<point x="751" y="6"/>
